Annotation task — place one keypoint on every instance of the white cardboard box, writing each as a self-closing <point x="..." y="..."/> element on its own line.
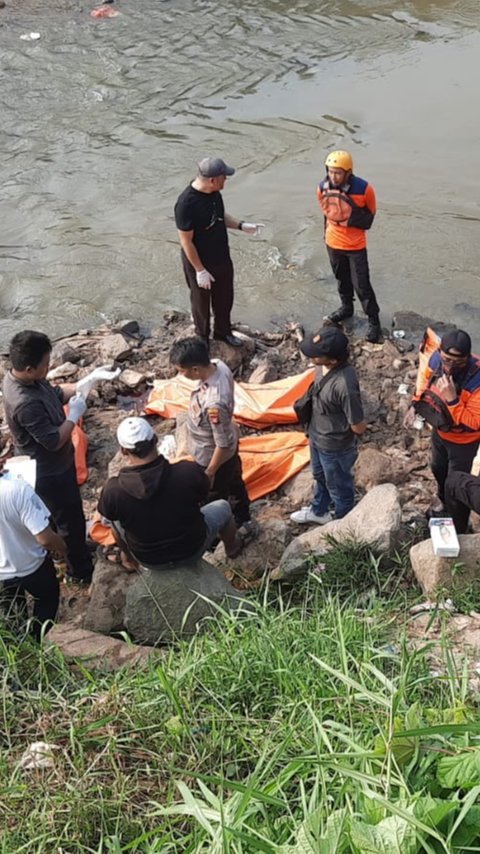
<point x="444" y="537"/>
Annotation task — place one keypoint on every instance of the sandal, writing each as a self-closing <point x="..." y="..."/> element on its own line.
<point x="113" y="554"/>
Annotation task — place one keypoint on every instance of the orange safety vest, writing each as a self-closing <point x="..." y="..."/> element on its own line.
<point x="349" y="212"/>
<point x="465" y="411"/>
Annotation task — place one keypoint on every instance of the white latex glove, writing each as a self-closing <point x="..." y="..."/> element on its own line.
<point x="204" y="279"/>
<point x="77" y="406"/>
<point x="85" y="385"/>
<point x="252" y="227"/>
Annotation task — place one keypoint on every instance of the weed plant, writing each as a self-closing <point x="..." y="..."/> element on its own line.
<point x="305" y="728"/>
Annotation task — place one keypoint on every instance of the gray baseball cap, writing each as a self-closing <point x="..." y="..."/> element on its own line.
<point x="213" y="167"/>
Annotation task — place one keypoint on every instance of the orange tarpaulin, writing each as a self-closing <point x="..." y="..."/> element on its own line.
<point x="256" y="405"/>
<point x="268" y="461"/>
<point x="80" y="447"/>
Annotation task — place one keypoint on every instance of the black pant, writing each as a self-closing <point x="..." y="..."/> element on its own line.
<point x="228" y="484"/>
<point x="220" y="296"/>
<point x="462" y="494"/>
<point x="62" y="497"/>
<point x="43" y="586"/>
<point x="448" y="457"/>
<point x="352" y="274"/>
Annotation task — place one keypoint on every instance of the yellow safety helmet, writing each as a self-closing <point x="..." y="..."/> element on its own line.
<point x="339" y="160"/>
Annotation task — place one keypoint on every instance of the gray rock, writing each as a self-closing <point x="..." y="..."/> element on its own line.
<point x="299" y="489"/>
<point x="62" y="352"/>
<point x="435" y="574"/>
<point x="374" y="467"/>
<point x="106" y="608"/>
<point x="97" y="651"/>
<point x="169" y="603"/>
<point x="374" y="521"/>
<point x="116" y="463"/>
<point x="114" y="348"/>
<point x="66" y="369"/>
<point x="128" y="327"/>
<point x="130" y="378"/>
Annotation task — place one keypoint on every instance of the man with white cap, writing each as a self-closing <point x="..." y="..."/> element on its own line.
<point x="202" y="224"/>
<point x="154" y="505"/>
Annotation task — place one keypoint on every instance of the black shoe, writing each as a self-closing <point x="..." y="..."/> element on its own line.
<point x="229" y="339"/>
<point x="343" y="313"/>
<point x="374" y="331"/>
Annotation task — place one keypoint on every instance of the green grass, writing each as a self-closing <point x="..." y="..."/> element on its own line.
<point x="307" y="726"/>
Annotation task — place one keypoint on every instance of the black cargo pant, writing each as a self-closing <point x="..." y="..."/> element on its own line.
<point x="61" y="494"/>
<point x="352" y="274"/>
<point x="220" y="297"/>
<point x="462" y="494"/>
<point x="43" y="586"/>
<point x="448" y="457"/>
<point x="228" y="484"/>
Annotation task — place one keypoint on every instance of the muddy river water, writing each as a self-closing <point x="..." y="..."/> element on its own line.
<point x="102" y="122"/>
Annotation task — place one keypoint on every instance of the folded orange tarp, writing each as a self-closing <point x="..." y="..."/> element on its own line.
<point x="256" y="405"/>
<point x="268" y="461"/>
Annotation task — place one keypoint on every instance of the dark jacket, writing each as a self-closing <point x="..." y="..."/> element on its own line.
<point x="158" y="506"/>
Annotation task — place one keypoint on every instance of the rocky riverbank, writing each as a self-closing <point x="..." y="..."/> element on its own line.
<point x="388" y="453"/>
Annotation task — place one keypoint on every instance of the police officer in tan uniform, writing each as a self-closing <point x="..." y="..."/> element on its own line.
<point x="213" y="435"/>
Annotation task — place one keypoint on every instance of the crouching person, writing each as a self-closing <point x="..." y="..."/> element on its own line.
<point x="154" y="505"/>
<point x="26" y="539"/>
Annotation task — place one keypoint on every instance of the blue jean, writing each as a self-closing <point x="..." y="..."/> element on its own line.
<point x="333" y="473"/>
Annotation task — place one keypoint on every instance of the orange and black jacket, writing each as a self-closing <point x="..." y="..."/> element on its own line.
<point x="349" y="212"/>
<point x="464" y="411"/>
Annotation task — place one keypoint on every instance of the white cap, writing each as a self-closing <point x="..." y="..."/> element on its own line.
<point x="133" y="430"/>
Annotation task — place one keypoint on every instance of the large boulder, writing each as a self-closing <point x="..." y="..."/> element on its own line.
<point x="259" y="556"/>
<point x="436" y="574"/>
<point x="374" y="467"/>
<point x="102" y="653"/>
<point x="299" y="489"/>
<point x="169" y="603"/>
<point x="375" y="521"/>
<point x="106" y="608"/>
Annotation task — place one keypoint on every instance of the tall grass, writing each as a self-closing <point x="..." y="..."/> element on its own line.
<point x="306" y="726"/>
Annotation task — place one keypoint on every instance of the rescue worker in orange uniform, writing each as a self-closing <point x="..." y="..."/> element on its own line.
<point x="450" y="402"/>
<point x="349" y="206"/>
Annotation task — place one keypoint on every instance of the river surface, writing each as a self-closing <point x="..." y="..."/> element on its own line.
<point x="103" y="122"/>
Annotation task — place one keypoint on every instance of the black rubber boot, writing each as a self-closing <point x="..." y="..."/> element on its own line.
<point x="343" y="313"/>
<point x="374" y="331"/>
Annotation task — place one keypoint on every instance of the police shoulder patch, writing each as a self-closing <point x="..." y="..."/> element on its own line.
<point x="213" y="413"/>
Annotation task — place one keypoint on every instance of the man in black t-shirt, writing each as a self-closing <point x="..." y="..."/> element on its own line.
<point x="202" y="225"/>
<point x="41" y="430"/>
<point x="154" y="506"/>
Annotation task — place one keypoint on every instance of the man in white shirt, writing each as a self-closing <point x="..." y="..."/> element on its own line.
<point x="26" y="539"/>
